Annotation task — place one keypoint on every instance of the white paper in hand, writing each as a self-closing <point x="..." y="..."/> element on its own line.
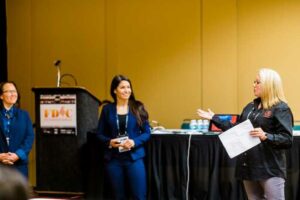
<point x="238" y="139"/>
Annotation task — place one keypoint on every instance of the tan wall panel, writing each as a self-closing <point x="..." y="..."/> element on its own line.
<point x="157" y="44"/>
<point x="73" y="32"/>
<point x="219" y="39"/>
<point x="269" y="36"/>
<point x="19" y="48"/>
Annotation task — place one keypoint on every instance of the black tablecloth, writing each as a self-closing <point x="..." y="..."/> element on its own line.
<point x="292" y="189"/>
<point x="209" y="172"/>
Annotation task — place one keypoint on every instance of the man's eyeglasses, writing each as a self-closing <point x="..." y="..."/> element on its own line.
<point x="10" y="91"/>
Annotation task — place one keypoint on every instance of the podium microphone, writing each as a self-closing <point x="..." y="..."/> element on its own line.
<point x="57" y="65"/>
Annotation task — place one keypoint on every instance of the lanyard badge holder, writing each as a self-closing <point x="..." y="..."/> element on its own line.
<point x="121" y="140"/>
<point x="124" y="137"/>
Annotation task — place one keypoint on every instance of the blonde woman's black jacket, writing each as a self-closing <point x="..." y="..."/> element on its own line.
<point x="268" y="158"/>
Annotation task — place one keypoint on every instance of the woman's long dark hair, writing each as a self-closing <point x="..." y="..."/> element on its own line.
<point x="136" y="107"/>
<point x="17" y="104"/>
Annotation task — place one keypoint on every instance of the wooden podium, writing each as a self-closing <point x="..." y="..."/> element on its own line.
<point x="64" y="116"/>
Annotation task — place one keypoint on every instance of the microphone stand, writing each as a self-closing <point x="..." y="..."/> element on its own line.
<point x="57" y="65"/>
<point x="58" y="76"/>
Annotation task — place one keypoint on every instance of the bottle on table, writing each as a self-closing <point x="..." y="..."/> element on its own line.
<point x="193" y="124"/>
<point x="205" y="126"/>
<point x="200" y="125"/>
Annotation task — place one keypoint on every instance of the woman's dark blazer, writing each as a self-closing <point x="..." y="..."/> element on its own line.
<point x="107" y="130"/>
<point x="22" y="137"/>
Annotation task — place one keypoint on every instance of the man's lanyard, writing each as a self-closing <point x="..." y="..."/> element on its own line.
<point x="7" y="117"/>
<point x="118" y="123"/>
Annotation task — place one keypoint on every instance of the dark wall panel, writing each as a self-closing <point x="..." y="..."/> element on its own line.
<point x="3" y="46"/>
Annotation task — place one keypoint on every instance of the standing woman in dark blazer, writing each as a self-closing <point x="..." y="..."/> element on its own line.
<point x="16" y="132"/>
<point x="124" y="129"/>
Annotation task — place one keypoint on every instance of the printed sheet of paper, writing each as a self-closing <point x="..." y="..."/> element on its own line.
<point x="238" y="140"/>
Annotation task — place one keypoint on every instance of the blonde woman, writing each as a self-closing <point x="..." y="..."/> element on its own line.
<point x="263" y="168"/>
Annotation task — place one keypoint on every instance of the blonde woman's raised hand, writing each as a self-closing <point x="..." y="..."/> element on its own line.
<point x="205" y="114"/>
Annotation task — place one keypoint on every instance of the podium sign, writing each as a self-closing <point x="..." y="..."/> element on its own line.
<point x="58" y="114"/>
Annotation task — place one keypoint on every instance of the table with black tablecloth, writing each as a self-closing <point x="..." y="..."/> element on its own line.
<point x="195" y="165"/>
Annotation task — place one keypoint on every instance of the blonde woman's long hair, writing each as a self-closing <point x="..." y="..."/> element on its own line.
<point x="272" y="89"/>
